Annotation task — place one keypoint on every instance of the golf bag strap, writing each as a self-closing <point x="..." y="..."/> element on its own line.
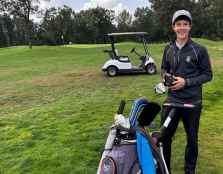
<point x="156" y="152"/>
<point x="141" y="129"/>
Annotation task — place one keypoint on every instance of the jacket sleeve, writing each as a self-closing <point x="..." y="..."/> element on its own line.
<point x="205" y="69"/>
<point x="165" y="67"/>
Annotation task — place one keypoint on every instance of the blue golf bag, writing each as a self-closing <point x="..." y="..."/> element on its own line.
<point x="131" y="150"/>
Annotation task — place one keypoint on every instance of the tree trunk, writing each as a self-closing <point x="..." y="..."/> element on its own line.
<point x="28" y="34"/>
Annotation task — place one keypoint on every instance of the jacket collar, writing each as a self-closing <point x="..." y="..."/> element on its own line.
<point x="189" y="41"/>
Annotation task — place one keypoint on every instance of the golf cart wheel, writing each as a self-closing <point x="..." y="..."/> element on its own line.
<point x="151" y="69"/>
<point x="112" y="71"/>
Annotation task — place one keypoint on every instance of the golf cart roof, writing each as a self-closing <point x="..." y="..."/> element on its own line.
<point x="128" y="33"/>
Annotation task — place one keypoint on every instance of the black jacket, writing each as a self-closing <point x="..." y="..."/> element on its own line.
<point x="191" y="63"/>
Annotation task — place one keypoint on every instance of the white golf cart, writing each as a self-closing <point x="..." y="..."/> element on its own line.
<point x="119" y="64"/>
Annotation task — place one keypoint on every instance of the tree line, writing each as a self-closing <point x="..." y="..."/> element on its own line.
<point x="63" y="25"/>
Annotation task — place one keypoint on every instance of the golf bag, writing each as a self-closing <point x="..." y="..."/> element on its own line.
<point x="122" y="158"/>
<point x="129" y="149"/>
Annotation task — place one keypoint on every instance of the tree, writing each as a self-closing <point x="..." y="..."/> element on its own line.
<point x="58" y="25"/>
<point x="218" y="14"/>
<point x="213" y="18"/>
<point x="22" y="9"/>
<point x="124" y="21"/>
<point x="19" y="31"/>
<point x="164" y="11"/>
<point x="93" y="24"/>
<point x="87" y="26"/>
<point x="65" y="24"/>
<point x="145" y="20"/>
<point x="48" y="29"/>
<point x="4" y="19"/>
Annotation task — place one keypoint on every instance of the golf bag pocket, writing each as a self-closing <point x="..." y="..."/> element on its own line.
<point x="122" y="159"/>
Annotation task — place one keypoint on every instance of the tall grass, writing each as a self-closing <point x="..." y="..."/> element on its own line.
<point x="57" y="106"/>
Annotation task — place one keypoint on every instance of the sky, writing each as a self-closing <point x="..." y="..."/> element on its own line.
<point x="116" y="5"/>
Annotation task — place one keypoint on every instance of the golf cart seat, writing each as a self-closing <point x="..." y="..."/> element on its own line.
<point x="120" y="58"/>
<point x="123" y="58"/>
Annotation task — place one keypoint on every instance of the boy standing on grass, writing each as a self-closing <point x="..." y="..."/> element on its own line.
<point x="190" y="66"/>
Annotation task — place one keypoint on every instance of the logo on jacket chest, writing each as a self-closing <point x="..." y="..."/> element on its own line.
<point x="188" y="59"/>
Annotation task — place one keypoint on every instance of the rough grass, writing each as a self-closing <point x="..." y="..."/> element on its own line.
<point x="57" y="106"/>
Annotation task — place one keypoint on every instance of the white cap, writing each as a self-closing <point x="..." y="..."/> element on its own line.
<point x="179" y="13"/>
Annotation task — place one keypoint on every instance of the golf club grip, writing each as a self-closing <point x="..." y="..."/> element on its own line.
<point x="121" y="107"/>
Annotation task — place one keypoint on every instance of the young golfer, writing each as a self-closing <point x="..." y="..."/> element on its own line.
<point x="189" y="64"/>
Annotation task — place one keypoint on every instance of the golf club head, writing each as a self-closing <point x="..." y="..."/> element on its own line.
<point x="137" y="107"/>
<point x="148" y="113"/>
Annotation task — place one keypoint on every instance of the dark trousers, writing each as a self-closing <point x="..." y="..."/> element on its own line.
<point x="190" y="119"/>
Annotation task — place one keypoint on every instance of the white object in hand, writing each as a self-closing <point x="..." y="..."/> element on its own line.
<point x="160" y="88"/>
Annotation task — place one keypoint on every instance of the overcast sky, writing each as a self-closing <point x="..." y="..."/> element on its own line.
<point x="116" y="5"/>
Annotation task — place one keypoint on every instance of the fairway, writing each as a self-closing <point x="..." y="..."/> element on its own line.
<point x="56" y="106"/>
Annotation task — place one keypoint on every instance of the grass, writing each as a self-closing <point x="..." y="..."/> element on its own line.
<point x="57" y="106"/>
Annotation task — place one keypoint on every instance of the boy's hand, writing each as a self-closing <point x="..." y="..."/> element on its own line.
<point x="179" y="83"/>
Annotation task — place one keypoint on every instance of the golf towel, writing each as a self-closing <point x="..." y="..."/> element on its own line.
<point x="145" y="154"/>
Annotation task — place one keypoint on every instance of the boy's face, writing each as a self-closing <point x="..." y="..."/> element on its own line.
<point x="182" y="29"/>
